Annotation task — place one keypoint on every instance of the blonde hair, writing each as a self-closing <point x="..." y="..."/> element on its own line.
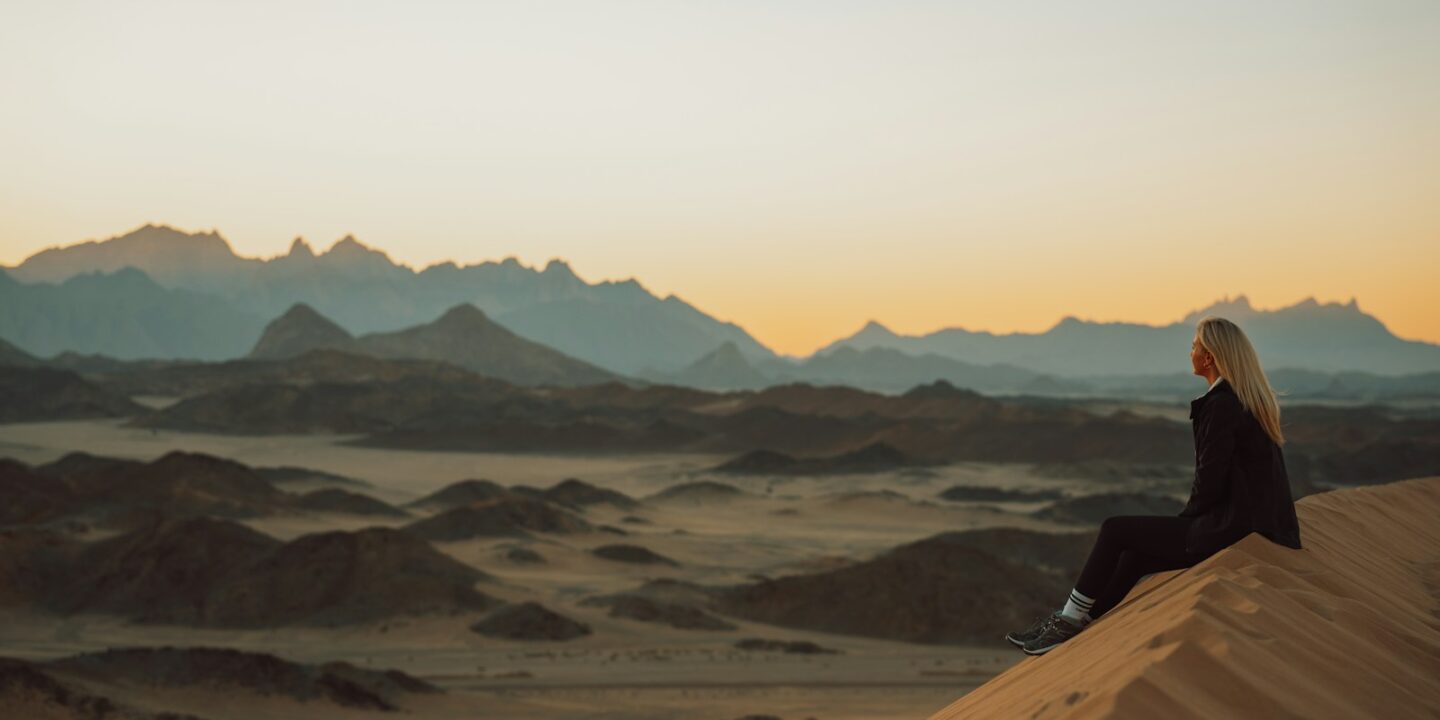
<point x="1237" y="362"/>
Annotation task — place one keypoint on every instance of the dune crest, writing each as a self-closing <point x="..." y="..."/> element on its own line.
<point x="1347" y="627"/>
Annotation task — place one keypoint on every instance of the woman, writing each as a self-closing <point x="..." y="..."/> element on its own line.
<point x="1240" y="487"/>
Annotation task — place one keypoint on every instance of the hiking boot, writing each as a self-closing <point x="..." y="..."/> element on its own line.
<point x="1018" y="638"/>
<point x="1057" y="629"/>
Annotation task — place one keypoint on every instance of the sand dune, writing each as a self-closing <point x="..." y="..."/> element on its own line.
<point x="1348" y="627"/>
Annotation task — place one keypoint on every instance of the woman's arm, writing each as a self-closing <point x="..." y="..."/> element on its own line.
<point x="1214" y="451"/>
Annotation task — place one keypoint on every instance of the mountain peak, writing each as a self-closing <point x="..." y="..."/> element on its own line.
<point x="349" y="244"/>
<point x="557" y="265"/>
<point x="724" y="368"/>
<point x="300" y="249"/>
<point x="875" y="330"/>
<point x="300" y="330"/>
<point x="1226" y="307"/>
<point x="464" y="314"/>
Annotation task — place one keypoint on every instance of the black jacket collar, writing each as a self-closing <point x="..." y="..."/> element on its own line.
<point x="1222" y="386"/>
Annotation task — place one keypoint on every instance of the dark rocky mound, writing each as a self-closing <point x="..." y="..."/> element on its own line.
<point x="760" y="462"/>
<point x="875" y="457"/>
<point x="700" y="491"/>
<point x="206" y="572"/>
<point x="530" y="621"/>
<point x="523" y="555"/>
<point x="32" y="561"/>
<point x="661" y="591"/>
<point x="186" y="379"/>
<point x="29" y="497"/>
<point x="289" y="474"/>
<point x="962" y="493"/>
<point x="1093" y="509"/>
<point x="29" y="394"/>
<point x="343" y="501"/>
<point x="498" y="517"/>
<point x="278" y="406"/>
<point x="339" y="578"/>
<point x="32" y="690"/>
<point x="635" y="520"/>
<point x="177" y="484"/>
<point x="300" y="330"/>
<point x="889" y="496"/>
<point x="801" y="647"/>
<point x="954" y="588"/>
<point x="84" y="467"/>
<point x="1337" y="447"/>
<point x="577" y="494"/>
<point x="220" y="668"/>
<point x="461" y="493"/>
<point x="166" y="572"/>
<point x="676" y="615"/>
<point x="632" y="554"/>
<point x="128" y="493"/>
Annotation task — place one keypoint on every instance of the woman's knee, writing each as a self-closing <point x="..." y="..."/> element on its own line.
<point x="1114" y="525"/>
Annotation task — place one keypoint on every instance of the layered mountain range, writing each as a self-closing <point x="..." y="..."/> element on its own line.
<point x="157" y="292"/>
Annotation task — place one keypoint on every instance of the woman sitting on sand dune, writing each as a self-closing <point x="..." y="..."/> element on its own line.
<point x="1240" y="487"/>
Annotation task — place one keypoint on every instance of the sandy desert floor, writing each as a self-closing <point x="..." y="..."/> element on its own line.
<point x="625" y="669"/>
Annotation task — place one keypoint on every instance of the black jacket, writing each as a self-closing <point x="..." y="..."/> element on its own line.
<point x="1240" y="481"/>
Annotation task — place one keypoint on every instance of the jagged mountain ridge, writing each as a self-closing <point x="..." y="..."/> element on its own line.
<point x="463" y="336"/>
<point x="1326" y="337"/>
<point x="618" y="325"/>
<point x="624" y="328"/>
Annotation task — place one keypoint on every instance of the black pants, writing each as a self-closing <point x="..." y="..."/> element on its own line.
<point x="1128" y="548"/>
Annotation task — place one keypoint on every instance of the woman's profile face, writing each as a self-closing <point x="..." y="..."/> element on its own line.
<point x="1200" y="358"/>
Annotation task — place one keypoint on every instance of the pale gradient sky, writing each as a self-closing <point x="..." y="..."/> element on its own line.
<point x="795" y="167"/>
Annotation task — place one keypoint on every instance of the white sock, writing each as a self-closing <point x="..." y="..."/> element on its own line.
<point x="1077" y="608"/>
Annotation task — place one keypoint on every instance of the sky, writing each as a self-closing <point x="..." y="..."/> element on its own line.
<point x="798" y="168"/>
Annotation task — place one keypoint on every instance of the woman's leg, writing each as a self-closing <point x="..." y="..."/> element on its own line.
<point x="1133" y="566"/>
<point x="1154" y="540"/>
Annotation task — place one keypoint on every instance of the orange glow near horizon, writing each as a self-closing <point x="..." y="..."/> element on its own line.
<point x="798" y="169"/>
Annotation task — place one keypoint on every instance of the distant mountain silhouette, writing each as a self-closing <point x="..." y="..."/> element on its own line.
<point x="13" y="356"/>
<point x="298" y="331"/>
<point x="205" y="302"/>
<point x="724" y="368"/>
<point x="620" y="326"/>
<point x="890" y="370"/>
<point x="171" y="257"/>
<point x="1327" y="337"/>
<point x="123" y="314"/>
<point x="463" y="336"/>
